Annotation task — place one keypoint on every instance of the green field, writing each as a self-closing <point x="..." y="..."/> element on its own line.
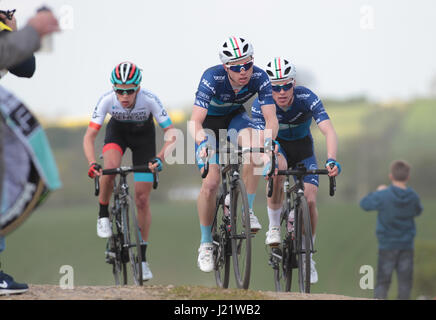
<point x="63" y="231"/>
<point x="54" y="237"/>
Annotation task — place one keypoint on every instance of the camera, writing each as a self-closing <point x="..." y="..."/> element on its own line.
<point x="8" y="14"/>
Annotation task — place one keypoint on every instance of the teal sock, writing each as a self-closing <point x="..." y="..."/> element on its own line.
<point x="251" y="200"/>
<point x="206" y="234"/>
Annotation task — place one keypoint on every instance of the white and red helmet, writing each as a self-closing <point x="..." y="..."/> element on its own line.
<point x="279" y="69"/>
<point x="234" y="49"/>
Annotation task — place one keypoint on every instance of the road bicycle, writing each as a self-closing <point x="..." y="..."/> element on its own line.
<point x="124" y="246"/>
<point x="295" y="222"/>
<point x="231" y="231"/>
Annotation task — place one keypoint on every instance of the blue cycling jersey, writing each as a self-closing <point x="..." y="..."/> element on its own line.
<point x="294" y="123"/>
<point x="216" y="94"/>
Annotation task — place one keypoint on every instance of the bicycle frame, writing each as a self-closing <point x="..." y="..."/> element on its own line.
<point x="294" y="200"/>
<point x="121" y="213"/>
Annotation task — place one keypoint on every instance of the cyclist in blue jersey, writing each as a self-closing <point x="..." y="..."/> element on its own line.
<point x="133" y="110"/>
<point x="222" y="91"/>
<point x="295" y="107"/>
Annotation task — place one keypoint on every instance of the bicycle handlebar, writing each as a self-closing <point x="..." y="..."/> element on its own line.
<point x="125" y="171"/>
<point x="304" y="172"/>
<point x="240" y="151"/>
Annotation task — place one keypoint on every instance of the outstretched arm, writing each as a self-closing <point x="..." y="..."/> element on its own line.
<point x="329" y="132"/>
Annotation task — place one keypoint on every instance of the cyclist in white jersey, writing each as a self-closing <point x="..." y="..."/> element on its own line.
<point x="131" y="126"/>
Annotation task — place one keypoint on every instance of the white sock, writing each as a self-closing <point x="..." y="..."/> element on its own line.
<point x="274" y="217"/>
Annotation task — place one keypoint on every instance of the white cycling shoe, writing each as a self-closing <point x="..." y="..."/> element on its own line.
<point x="273" y="236"/>
<point x="313" y="272"/>
<point x="146" y="272"/>
<point x="205" y="257"/>
<point x="254" y="222"/>
<point x="104" y="228"/>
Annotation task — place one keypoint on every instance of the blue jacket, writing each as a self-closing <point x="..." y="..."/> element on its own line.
<point x="397" y="209"/>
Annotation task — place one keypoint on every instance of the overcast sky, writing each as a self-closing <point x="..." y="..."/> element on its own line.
<point x="384" y="49"/>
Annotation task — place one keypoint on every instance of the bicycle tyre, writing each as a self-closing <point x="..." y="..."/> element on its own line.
<point x="114" y="247"/>
<point x="240" y="233"/>
<point x="222" y="247"/>
<point x="134" y="248"/>
<point x="303" y="222"/>
<point x="282" y="267"/>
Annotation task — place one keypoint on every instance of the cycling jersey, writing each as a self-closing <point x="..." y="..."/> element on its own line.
<point x="131" y="128"/>
<point x="295" y="122"/>
<point x="215" y="93"/>
<point x="146" y="104"/>
<point x="294" y="136"/>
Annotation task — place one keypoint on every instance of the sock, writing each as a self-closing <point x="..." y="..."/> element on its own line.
<point x="206" y="234"/>
<point x="274" y="217"/>
<point x="144" y="251"/>
<point x="104" y="211"/>
<point x="251" y="200"/>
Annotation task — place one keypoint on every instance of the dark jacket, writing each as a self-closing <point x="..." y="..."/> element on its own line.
<point x="397" y="209"/>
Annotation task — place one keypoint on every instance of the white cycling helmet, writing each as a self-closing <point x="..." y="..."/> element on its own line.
<point x="279" y="69"/>
<point x="234" y="49"/>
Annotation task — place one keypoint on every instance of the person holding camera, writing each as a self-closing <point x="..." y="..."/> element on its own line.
<point x="16" y="57"/>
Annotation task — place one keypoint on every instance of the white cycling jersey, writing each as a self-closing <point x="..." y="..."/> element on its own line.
<point x="146" y="103"/>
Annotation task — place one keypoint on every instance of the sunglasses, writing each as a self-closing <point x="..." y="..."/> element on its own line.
<point x="285" y="87"/>
<point x="238" y="67"/>
<point x="122" y="92"/>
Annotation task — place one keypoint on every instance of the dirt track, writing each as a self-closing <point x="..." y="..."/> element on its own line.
<point x="52" y="292"/>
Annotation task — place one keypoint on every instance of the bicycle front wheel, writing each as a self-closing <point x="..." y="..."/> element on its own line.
<point x="304" y="245"/>
<point x="281" y="257"/>
<point x="221" y="244"/>
<point x="240" y="235"/>
<point x="133" y="240"/>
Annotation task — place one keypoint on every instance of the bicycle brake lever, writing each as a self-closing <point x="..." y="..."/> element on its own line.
<point x="155" y="180"/>
<point x="332" y="183"/>
<point x="97" y="186"/>
<point x="206" y="164"/>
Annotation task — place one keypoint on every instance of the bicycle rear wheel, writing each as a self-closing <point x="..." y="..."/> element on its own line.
<point x="133" y="240"/>
<point x="240" y="235"/>
<point x="221" y="244"/>
<point x="304" y="225"/>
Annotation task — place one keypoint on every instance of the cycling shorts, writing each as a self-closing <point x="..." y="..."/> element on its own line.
<point x="139" y="137"/>
<point x="234" y="122"/>
<point x="300" y="151"/>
